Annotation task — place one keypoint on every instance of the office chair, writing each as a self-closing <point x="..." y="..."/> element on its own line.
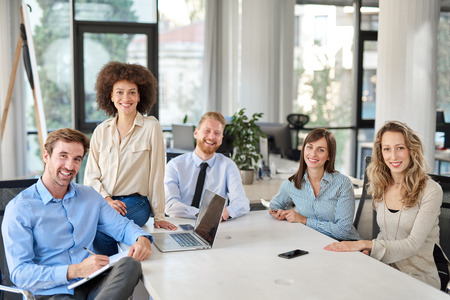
<point x="227" y="143"/>
<point x="297" y="121"/>
<point x="8" y="190"/>
<point x="170" y="155"/>
<point x="365" y="219"/>
<point x="444" y="217"/>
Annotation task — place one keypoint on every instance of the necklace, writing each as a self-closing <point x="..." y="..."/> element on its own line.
<point x="398" y="222"/>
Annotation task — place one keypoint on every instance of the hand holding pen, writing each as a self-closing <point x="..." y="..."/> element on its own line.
<point x="98" y="255"/>
<point x="91" y="252"/>
<point x="87" y="266"/>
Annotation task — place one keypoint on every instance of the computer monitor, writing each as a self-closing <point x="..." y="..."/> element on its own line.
<point x="227" y="143"/>
<point x="279" y="138"/>
<point x="183" y="136"/>
<point x="442" y="126"/>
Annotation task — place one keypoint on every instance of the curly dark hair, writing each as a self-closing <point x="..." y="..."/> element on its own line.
<point x="116" y="71"/>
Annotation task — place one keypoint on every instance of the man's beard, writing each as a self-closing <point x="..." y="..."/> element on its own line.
<point x="206" y="149"/>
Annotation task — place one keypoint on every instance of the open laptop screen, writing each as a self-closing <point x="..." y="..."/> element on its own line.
<point x="207" y="225"/>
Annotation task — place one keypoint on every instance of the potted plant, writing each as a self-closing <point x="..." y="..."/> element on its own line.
<point x="246" y="136"/>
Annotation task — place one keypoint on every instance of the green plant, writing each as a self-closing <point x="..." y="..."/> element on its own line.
<point x="246" y="136"/>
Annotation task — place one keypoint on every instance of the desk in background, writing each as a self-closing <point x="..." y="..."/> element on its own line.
<point x="243" y="264"/>
<point x="267" y="187"/>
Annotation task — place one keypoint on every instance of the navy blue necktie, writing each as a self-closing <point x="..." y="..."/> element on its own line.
<point x="199" y="186"/>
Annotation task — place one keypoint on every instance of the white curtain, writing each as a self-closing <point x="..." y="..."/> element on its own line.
<point x="220" y="64"/>
<point x="406" y="71"/>
<point x="267" y="58"/>
<point x="258" y="75"/>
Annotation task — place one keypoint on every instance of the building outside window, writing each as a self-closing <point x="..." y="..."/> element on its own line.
<point x="181" y="40"/>
<point x="324" y="73"/>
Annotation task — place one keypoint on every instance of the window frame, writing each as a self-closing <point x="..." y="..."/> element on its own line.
<point x="81" y="27"/>
<point x="364" y="36"/>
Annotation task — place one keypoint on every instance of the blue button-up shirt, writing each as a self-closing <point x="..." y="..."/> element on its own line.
<point x="330" y="213"/>
<point x="222" y="177"/>
<point x="43" y="235"/>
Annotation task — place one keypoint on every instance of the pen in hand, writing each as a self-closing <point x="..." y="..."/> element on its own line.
<point x="88" y="250"/>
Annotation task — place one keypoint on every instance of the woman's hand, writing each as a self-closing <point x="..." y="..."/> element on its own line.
<point x="347" y="246"/>
<point x="117" y="205"/>
<point x="294" y="217"/>
<point x="165" y="225"/>
<point x="277" y="214"/>
<point x="289" y="215"/>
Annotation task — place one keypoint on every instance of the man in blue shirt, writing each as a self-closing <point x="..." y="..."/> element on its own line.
<point x="222" y="174"/>
<point x="48" y="226"/>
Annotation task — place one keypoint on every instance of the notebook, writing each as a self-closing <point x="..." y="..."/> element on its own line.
<point x="205" y="229"/>
<point x="112" y="261"/>
<point x="183" y="136"/>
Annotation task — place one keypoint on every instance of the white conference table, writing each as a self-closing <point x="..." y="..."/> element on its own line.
<point x="243" y="264"/>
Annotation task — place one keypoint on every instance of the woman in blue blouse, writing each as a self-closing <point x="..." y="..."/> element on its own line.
<point x="323" y="198"/>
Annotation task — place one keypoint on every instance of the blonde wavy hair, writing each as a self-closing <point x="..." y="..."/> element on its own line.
<point x="379" y="174"/>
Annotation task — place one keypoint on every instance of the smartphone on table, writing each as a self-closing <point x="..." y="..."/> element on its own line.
<point x="293" y="253"/>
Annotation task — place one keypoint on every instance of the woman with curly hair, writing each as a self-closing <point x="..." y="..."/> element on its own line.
<point x="126" y="157"/>
<point x="323" y="198"/>
<point x="408" y="204"/>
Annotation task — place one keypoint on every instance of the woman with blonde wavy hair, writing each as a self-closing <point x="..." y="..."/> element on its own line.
<point x="407" y="202"/>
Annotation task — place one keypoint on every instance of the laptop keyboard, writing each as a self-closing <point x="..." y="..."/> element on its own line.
<point x="185" y="239"/>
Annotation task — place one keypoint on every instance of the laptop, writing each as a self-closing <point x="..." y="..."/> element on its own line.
<point x="183" y="136"/>
<point x="205" y="229"/>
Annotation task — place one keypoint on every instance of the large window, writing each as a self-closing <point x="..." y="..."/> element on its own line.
<point x="324" y="72"/>
<point x="181" y="37"/>
<point x="127" y="37"/>
<point x="50" y="22"/>
<point x="324" y="81"/>
<point x="124" y="31"/>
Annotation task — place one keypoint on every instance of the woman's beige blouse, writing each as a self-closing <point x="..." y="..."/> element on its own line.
<point x="134" y="165"/>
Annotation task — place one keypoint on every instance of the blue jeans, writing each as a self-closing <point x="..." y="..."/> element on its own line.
<point x="138" y="210"/>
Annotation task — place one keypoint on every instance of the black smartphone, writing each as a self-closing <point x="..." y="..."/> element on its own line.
<point x="293" y="253"/>
<point x="186" y="226"/>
